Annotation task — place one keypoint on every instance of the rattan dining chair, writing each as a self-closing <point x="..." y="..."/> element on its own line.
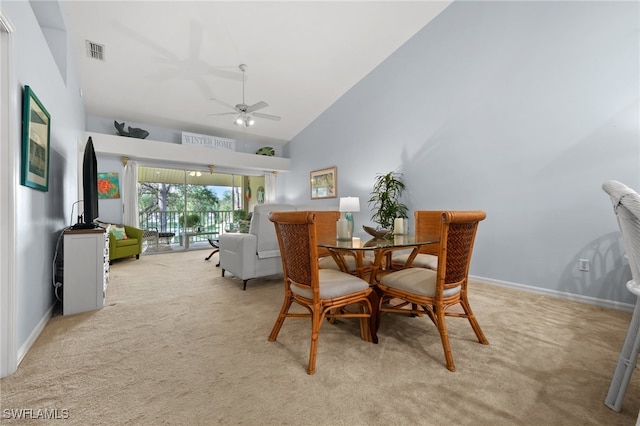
<point x="323" y="292"/>
<point x="626" y="206"/>
<point x="426" y="222"/>
<point x="419" y="291"/>
<point x="326" y="228"/>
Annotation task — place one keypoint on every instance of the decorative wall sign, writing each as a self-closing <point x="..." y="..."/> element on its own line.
<point x="208" y="141"/>
<point x="36" y="129"/>
<point x="108" y="186"/>
<point x="324" y="183"/>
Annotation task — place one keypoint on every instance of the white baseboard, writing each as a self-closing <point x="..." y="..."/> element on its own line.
<point x="22" y="351"/>
<point x="559" y="294"/>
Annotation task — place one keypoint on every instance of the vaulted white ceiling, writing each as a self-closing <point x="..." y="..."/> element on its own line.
<point x="164" y="61"/>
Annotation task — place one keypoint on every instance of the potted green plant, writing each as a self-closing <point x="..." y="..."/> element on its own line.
<point x="385" y="197"/>
<point x="242" y="220"/>
<point x="193" y="219"/>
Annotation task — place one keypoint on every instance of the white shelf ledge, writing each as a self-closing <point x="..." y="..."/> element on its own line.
<point x="177" y="154"/>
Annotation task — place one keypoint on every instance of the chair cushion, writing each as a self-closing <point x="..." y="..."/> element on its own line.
<point x="327" y="262"/>
<point x="333" y="284"/>
<point x="418" y="281"/>
<point x="127" y="242"/>
<point x="422" y="260"/>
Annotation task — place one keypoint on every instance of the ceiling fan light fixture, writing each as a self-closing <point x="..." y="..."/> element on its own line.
<point x="244" y="120"/>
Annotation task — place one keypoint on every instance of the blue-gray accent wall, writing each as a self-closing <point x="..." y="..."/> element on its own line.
<point x="521" y="109"/>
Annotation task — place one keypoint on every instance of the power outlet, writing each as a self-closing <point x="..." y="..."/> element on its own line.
<point x="584" y="265"/>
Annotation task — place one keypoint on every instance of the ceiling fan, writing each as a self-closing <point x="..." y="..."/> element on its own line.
<point x="246" y="113"/>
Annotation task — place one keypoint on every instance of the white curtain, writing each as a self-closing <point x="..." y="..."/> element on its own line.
<point x="269" y="188"/>
<point x="130" y="194"/>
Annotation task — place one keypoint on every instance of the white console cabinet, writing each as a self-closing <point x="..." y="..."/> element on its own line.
<point x="85" y="270"/>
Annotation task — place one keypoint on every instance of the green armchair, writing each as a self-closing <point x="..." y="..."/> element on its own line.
<point x="120" y="247"/>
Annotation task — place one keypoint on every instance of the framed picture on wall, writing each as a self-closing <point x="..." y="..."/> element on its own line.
<point x="324" y="183"/>
<point x="260" y="195"/>
<point x="108" y="185"/>
<point x="36" y="127"/>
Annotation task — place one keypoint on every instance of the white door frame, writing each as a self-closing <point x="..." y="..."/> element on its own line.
<point x="8" y="181"/>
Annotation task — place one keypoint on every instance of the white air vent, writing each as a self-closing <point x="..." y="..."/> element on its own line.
<point x="95" y="50"/>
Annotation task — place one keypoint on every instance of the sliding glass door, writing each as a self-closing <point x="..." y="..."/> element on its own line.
<point x="193" y="204"/>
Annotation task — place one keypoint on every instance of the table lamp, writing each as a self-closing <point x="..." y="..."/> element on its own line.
<point x="349" y="205"/>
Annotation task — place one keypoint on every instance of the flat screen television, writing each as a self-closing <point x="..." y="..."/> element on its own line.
<point x="90" y="185"/>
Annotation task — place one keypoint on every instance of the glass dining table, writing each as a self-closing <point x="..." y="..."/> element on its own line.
<point x="376" y="265"/>
<point x="380" y="248"/>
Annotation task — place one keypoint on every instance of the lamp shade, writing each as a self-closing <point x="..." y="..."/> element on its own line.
<point x="349" y="204"/>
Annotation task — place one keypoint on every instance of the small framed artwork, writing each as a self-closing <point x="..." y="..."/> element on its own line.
<point x="108" y="185"/>
<point x="324" y="183"/>
<point x="36" y="128"/>
<point x="260" y="195"/>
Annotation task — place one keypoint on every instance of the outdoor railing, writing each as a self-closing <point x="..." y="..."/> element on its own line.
<point x="170" y="221"/>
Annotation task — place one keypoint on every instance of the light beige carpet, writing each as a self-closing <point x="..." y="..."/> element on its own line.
<point x="177" y="344"/>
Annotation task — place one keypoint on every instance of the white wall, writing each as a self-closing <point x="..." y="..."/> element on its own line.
<point x="42" y="215"/>
<point x="521" y="109"/>
<point x="110" y="210"/>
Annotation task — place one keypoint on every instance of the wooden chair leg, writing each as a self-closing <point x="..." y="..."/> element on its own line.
<point x="373" y="318"/>
<point x="444" y="336"/>
<point x="315" y="331"/>
<point x="332" y="319"/>
<point x="280" y="320"/>
<point x="474" y="322"/>
<point x="365" y="322"/>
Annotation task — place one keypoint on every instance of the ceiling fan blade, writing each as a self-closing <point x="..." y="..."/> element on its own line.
<point x="267" y="116"/>
<point x="225" y="113"/>
<point x="226" y="104"/>
<point x="259" y="105"/>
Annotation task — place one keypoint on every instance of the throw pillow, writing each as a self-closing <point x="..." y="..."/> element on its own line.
<point x="119" y="232"/>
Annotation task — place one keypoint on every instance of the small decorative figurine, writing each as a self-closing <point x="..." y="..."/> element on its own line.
<point x="266" y="150"/>
<point x="133" y="132"/>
